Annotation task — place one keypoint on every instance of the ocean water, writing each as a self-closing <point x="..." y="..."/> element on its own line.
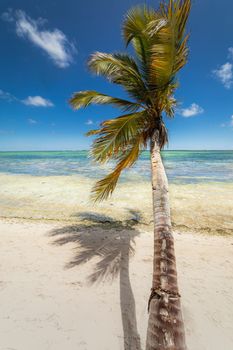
<point x="181" y="166"/>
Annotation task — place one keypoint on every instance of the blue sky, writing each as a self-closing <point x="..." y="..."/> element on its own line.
<point x="44" y="49"/>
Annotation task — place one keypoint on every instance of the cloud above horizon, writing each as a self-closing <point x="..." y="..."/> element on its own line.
<point x="32" y="121"/>
<point x="37" y="101"/>
<point x="225" y="74"/>
<point x="7" y="96"/>
<point x="89" y="122"/>
<point x="54" y="42"/>
<point x="191" y="111"/>
<point x="229" y="123"/>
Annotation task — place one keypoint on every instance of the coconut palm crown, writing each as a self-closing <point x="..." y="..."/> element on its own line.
<point x="149" y="78"/>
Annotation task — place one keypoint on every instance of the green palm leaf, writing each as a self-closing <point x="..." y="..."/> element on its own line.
<point x="120" y="69"/>
<point x="85" y="98"/>
<point x="136" y="29"/>
<point x="136" y="21"/>
<point x="159" y="41"/>
<point x="104" y="188"/>
<point x="116" y="134"/>
<point x="169" y="49"/>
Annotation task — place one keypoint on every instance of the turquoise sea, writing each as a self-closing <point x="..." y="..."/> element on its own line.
<point x="181" y="166"/>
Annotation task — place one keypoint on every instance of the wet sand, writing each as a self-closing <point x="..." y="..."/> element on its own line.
<point x="197" y="208"/>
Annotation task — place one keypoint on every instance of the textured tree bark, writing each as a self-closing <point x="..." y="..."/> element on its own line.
<point x="165" y="326"/>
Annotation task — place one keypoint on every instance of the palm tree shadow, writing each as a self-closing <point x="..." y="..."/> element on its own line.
<point x="113" y="243"/>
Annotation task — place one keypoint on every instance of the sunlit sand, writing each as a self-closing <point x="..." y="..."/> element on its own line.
<point x="70" y="269"/>
<point x="199" y="207"/>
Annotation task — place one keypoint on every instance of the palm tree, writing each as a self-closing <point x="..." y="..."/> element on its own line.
<point x="149" y="78"/>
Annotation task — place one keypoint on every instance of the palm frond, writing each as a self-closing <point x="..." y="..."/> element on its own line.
<point x="104" y="188"/>
<point x="169" y="106"/>
<point x="85" y="98"/>
<point x="163" y="55"/>
<point x="169" y="50"/>
<point x="120" y="69"/>
<point x="116" y="134"/>
<point x="92" y="132"/>
<point x="136" y="21"/>
<point x="166" y="100"/>
<point x="178" y="12"/>
<point x="135" y="30"/>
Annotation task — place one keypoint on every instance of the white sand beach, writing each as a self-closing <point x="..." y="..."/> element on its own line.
<point x="77" y="276"/>
<point x="74" y="287"/>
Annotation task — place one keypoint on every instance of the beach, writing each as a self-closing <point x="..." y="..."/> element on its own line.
<point x="77" y="275"/>
<point x="86" y="286"/>
<point x="116" y="175"/>
<point x="201" y="208"/>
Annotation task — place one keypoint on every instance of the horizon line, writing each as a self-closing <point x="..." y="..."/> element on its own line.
<point x="88" y="149"/>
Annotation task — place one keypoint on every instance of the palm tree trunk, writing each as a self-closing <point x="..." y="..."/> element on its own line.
<point x="165" y="327"/>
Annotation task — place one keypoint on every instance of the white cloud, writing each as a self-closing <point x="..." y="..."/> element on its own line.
<point x="89" y="122"/>
<point x="229" y="123"/>
<point x="32" y="121"/>
<point x="37" y="101"/>
<point x="225" y="74"/>
<point x="7" y="96"/>
<point x="191" y="111"/>
<point x="53" y="42"/>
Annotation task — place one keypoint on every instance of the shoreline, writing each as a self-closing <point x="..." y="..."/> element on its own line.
<point x="204" y="208"/>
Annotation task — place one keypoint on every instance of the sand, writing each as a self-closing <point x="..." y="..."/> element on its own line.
<point x="77" y="276"/>
<point x="206" y="208"/>
<point x="86" y="287"/>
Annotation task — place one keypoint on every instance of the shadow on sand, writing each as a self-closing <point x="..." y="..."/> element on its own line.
<point x="113" y="243"/>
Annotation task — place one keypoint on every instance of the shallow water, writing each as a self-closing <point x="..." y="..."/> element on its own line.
<point x="181" y="166"/>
